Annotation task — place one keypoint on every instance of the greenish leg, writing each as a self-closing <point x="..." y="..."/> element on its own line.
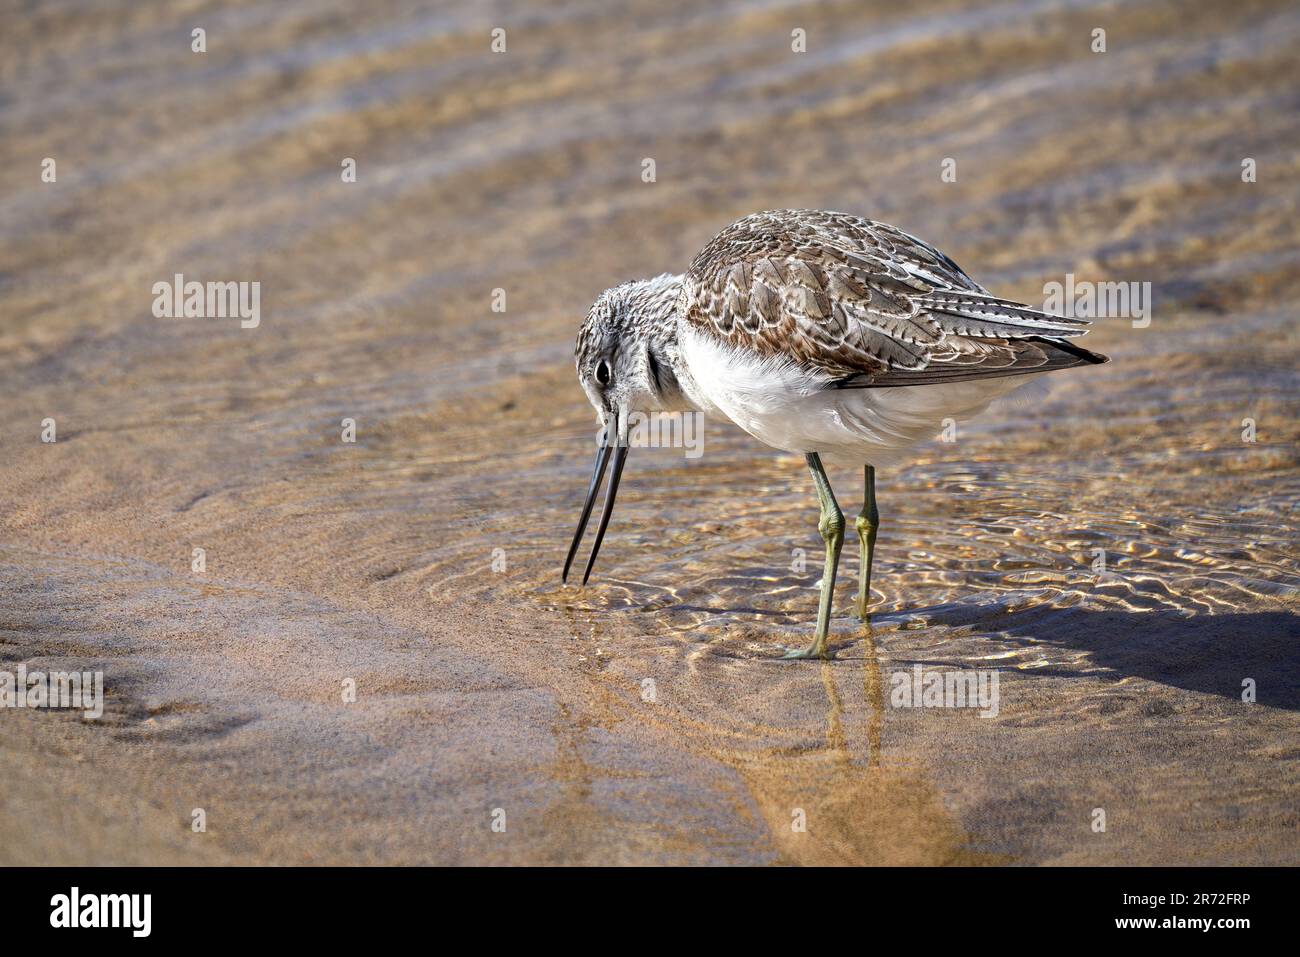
<point x="867" y="523"/>
<point x="831" y="526"/>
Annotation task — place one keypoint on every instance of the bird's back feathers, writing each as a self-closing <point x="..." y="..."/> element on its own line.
<point x="864" y="304"/>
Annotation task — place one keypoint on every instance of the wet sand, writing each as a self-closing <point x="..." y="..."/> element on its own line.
<point x="372" y="562"/>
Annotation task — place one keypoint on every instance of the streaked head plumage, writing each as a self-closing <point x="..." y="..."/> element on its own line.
<point x="618" y="350"/>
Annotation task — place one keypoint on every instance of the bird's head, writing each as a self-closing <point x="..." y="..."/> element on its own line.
<point x="620" y="352"/>
<point x="624" y="358"/>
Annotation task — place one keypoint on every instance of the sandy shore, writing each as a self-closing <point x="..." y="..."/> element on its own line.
<point x="648" y="718"/>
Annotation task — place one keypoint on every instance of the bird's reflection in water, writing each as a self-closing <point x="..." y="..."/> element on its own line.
<point x="833" y="798"/>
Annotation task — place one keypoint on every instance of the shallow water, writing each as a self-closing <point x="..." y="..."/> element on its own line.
<point x="1121" y="688"/>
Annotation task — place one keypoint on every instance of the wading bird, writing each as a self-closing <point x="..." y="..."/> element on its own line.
<point x="817" y="333"/>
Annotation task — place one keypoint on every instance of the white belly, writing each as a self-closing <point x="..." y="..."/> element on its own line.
<point x="789" y="409"/>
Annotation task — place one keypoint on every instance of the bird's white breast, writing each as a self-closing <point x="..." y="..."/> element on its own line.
<point x="789" y="408"/>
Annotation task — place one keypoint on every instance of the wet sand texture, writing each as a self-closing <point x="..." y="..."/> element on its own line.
<point x="372" y="562"/>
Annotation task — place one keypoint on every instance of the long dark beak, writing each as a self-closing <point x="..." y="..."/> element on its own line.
<point x="602" y="459"/>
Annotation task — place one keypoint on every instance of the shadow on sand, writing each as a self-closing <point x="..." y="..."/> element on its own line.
<point x="1207" y="653"/>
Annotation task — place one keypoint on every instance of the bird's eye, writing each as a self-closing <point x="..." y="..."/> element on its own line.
<point x="602" y="372"/>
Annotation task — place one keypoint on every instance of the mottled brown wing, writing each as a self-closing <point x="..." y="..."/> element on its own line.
<point x="964" y="357"/>
<point x="857" y="300"/>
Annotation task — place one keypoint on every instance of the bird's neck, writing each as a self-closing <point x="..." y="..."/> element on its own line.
<point x="654" y="303"/>
<point x="666" y="369"/>
<point x="689" y="395"/>
<point x="677" y="388"/>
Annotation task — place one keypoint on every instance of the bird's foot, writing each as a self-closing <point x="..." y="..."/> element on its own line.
<point x="818" y="649"/>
